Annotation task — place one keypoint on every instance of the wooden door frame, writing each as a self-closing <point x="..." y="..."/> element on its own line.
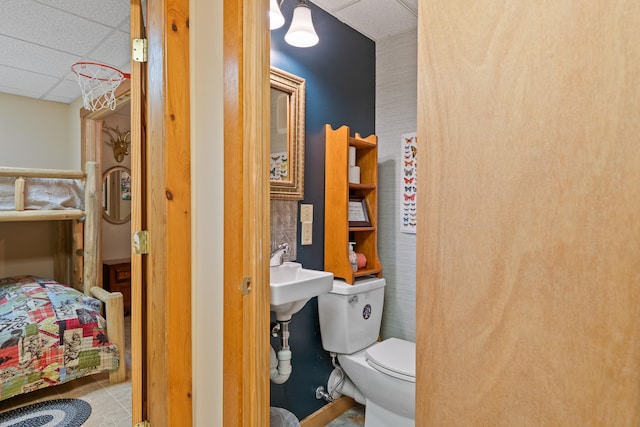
<point x="91" y="150"/>
<point x="168" y="363"/>
<point x="246" y="240"/>
<point x="246" y="223"/>
<point x="138" y="221"/>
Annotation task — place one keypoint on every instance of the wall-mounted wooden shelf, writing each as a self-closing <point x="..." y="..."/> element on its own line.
<point x="338" y="191"/>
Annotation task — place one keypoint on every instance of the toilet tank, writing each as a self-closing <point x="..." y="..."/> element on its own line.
<point x="350" y="315"/>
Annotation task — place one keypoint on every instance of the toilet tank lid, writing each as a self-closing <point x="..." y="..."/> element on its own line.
<point x="341" y="287"/>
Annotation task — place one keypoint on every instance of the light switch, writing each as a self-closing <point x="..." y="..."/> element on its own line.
<point x="307" y="228"/>
<point x="306" y="213"/>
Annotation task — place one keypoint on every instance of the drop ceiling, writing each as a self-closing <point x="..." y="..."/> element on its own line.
<point x="41" y="39"/>
<point x="376" y="19"/>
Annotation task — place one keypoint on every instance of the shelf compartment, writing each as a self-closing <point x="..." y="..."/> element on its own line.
<point x="368" y="272"/>
<point x="357" y="229"/>
<point x="361" y="187"/>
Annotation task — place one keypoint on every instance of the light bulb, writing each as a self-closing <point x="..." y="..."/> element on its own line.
<point x="276" y="20"/>
<point x="301" y="32"/>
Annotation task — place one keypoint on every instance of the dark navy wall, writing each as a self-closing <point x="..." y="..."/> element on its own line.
<point x="340" y="90"/>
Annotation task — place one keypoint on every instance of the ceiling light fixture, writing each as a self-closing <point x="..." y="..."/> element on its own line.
<point x="276" y="19"/>
<point x="301" y="32"/>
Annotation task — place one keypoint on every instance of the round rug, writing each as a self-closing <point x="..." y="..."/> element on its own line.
<point x="52" y="413"/>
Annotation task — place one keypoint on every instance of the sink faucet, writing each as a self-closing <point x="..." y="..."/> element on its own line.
<point x="276" y="256"/>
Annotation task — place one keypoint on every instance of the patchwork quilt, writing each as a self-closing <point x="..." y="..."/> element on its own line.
<point x="49" y="334"/>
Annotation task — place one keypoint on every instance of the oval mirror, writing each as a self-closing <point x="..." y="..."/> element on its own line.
<point x="116" y="195"/>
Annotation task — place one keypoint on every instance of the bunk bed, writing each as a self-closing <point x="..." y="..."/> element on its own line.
<point x="55" y="330"/>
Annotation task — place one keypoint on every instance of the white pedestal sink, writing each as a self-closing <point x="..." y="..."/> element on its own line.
<point x="292" y="286"/>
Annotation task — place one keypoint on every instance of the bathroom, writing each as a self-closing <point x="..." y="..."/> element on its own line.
<point x="371" y="88"/>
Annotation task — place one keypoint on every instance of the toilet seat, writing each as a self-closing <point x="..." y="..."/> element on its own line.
<point x="394" y="357"/>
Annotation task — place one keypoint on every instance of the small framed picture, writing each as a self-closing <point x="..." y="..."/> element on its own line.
<point x="358" y="213"/>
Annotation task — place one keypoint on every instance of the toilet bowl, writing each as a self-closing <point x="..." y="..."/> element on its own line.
<point x="381" y="372"/>
<point x="390" y="386"/>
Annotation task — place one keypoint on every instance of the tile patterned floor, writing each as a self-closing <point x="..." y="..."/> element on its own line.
<point x="354" y="417"/>
<point x="110" y="404"/>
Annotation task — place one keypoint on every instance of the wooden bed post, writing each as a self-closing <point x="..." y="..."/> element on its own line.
<point x="77" y="251"/>
<point x="19" y="193"/>
<point x="63" y="256"/>
<point x="91" y="229"/>
<point x="114" y="313"/>
<point x="113" y="301"/>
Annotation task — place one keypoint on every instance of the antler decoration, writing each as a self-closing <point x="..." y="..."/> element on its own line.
<point x="118" y="141"/>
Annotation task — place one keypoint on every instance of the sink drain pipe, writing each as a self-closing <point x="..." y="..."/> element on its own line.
<point x="281" y="364"/>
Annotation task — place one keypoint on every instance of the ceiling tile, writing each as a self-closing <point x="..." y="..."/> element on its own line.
<point x="411" y="4"/>
<point x="378" y="19"/>
<point x="333" y="5"/>
<point x="66" y="91"/>
<point x="24" y="83"/>
<point x="49" y="27"/>
<point x="107" y="12"/>
<point x="31" y="57"/>
<point x="113" y="51"/>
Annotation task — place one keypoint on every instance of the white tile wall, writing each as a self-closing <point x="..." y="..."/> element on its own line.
<point x="396" y="114"/>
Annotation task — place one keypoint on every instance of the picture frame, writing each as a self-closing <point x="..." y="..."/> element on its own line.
<point x="358" y="212"/>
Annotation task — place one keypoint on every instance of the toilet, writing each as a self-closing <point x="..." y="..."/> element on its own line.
<point x="379" y="375"/>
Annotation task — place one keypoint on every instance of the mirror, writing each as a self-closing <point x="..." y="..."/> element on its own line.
<point x="287" y="100"/>
<point x="116" y="195"/>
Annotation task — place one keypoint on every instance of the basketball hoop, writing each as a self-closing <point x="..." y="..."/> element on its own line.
<point x="98" y="83"/>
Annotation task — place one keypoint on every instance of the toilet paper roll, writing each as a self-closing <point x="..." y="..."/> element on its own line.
<point x="354" y="174"/>
<point x="352" y="156"/>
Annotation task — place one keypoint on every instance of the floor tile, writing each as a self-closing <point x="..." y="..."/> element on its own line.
<point x="353" y="417"/>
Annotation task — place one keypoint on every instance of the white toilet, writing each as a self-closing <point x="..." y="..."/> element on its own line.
<point x="381" y="375"/>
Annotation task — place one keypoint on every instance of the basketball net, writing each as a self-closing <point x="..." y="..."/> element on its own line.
<point x="98" y="84"/>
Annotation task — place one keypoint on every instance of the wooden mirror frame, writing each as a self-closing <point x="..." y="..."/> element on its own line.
<point x="291" y="188"/>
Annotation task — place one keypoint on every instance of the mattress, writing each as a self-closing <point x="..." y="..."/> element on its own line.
<point x="43" y="193"/>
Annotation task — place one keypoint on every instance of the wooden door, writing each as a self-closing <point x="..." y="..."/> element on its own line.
<point x="138" y="150"/>
<point x="246" y="223"/>
<point x="528" y="259"/>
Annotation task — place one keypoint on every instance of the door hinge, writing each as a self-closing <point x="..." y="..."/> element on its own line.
<point x="141" y="242"/>
<point x="246" y="288"/>
<point x="144" y="423"/>
<point x="139" y="50"/>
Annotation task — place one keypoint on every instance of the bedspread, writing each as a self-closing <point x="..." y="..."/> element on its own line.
<point x="49" y="334"/>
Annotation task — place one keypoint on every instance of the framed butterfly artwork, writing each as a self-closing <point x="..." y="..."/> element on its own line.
<point x="408" y="182"/>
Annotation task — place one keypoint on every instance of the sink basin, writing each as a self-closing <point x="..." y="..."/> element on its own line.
<point x="292" y="286"/>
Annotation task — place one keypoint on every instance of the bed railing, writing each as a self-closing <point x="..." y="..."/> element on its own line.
<point x="20" y="214"/>
<point x="91" y="214"/>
